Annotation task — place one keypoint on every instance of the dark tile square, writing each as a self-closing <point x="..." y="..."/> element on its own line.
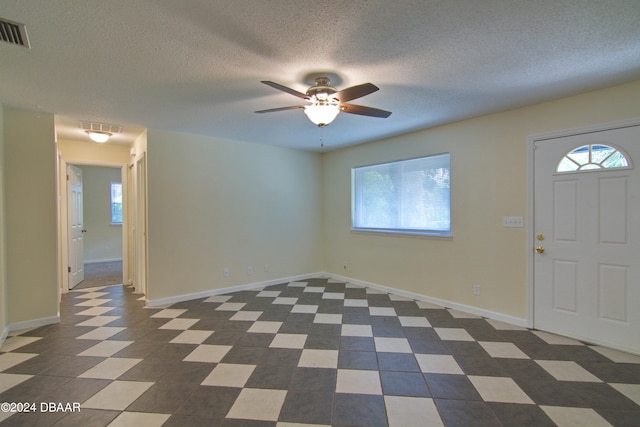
<point x="271" y="377"/>
<point x="33" y="389"/>
<point x="404" y="384"/>
<point x="161" y="335"/>
<point x="37" y="364"/>
<point x="481" y="365"/>
<point x="223" y="338"/>
<point x="87" y="417"/>
<point x="172" y="351"/>
<point x="620" y="418"/>
<point x="73" y="366"/>
<point x="363" y="360"/>
<point x="280" y="357"/>
<point x="149" y="370"/>
<point x="325" y="329"/>
<point x="359" y="410"/>
<point x="552" y="393"/>
<point x="357" y="344"/>
<point x="244" y="355"/>
<point x="139" y="349"/>
<point x="307" y="408"/>
<point x="446" y="386"/>
<point x="209" y="402"/>
<point x="255" y="340"/>
<point x="76" y="390"/>
<point x="187" y="372"/>
<point x="179" y="420"/>
<point x="398" y="362"/>
<point x="460" y="413"/>
<point x="517" y="415"/>
<point x="322" y="342"/>
<point x="162" y="398"/>
<point x="314" y="379"/>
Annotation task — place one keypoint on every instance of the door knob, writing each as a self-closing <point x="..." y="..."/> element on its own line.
<point x="540" y="249"/>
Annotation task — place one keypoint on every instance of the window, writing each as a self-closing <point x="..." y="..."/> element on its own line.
<point x="409" y="196"/>
<point x="592" y="157"/>
<point x="116" y="202"/>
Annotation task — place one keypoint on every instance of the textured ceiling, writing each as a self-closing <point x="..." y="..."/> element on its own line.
<point x="195" y="66"/>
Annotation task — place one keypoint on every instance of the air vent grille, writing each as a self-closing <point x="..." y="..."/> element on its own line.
<point x="14" y="33"/>
<point x="100" y="127"/>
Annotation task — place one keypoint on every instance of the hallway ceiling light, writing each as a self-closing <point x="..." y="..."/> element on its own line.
<point x="99" y="137"/>
<point x="100" y="132"/>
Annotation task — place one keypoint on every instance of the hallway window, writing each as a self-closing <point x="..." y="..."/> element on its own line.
<point x="409" y="196"/>
<point x="116" y="202"/>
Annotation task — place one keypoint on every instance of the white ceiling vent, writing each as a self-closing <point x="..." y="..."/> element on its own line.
<point x="100" y="127"/>
<point x="14" y="33"/>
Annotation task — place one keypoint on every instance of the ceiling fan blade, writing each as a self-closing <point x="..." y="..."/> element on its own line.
<point x="285" y="89"/>
<point x="355" y="92"/>
<point x="364" y="111"/>
<point x="271" y="110"/>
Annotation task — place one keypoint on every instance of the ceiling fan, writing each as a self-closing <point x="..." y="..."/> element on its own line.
<point x="325" y="101"/>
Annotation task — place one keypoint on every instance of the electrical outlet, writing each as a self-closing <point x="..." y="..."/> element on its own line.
<point x="512" y="221"/>
<point x="226" y="272"/>
<point x="476" y="289"/>
<point x="250" y="270"/>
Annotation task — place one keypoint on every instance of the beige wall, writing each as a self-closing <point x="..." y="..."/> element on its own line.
<point x="216" y="204"/>
<point x="103" y="240"/>
<point x="488" y="181"/>
<point x="3" y="259"/>
<point x="86" y="153"/>
<point x="30" y="209"/>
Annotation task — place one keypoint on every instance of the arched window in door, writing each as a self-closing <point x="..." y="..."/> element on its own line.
<point x="593" y="157"/>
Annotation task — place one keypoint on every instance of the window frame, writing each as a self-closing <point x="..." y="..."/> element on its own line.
<point x="112" y="203"/>
<point x="419" y="232"/>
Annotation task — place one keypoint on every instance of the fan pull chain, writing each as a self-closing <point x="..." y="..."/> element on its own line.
<point x="321" y="140"/>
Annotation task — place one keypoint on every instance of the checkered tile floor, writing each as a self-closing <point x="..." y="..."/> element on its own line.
<point x="307" y="353"/>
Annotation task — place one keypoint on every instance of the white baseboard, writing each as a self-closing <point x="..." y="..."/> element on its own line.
<point x="3" y="336"/>
<point x="97" y="261"/>
<point x="205" y="294"/>
<point x="411" y="295"/>
<point x="517" y="321"/>
<point x="35" y="323"/>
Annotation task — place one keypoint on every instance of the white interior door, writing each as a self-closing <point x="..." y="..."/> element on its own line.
<point x="140" y="232"/>
<point x="587" y="237"/>
<point x="76" y="226"/>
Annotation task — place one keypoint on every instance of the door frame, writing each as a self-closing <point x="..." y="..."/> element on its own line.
<point x="531" y="141"/>
<point x="63" y="254"/>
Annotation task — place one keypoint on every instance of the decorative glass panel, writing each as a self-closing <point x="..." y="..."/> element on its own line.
<point x="592" y="157"/>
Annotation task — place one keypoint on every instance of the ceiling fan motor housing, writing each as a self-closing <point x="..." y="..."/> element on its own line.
<point x="322" y="89"/>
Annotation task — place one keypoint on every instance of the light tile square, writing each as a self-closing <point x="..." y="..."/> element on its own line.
<point x="314" y="289"/>
<point x="438" y="364"/>
<point x="499" y="389"/>
<point x="453" y="334"/>
<point x="110" y="369"/>
<point x="392" y="345"/>
<point x="333" y="295"/>
<point x="632" y="391"/>
<point x="265" y="327"/>
<point x="11" y="380"/>
<point x="98" y="320"/>
<point x="117" y="395"/>
<point x="574" y="417"/>
<point x="229" y="375"/>
<point x="502" y="326"/>
<point x="258" y="404"/>
<point x="349" y="302"/>
<point x="231" y="306"/>
<point x="567" y="371"/>
<point x="90" y="295"/>
<point x="301" y="308"/>
<point x="429" y="305"/>
<point x="285" y="301"/>
<point x="208" y="353"/>
<point x="556" y="339"/>
<point x="169" y="313"/>
<point x="356" y="331"/>
<point x="191" y="337"/>
<point x="288" y="341"/>
<point x="9" y="360"/>
<point x="105" y="348"/>
<point x="101" y="333"/>
<point x="358" y="382"/>
<point x="179" y="324"/>
<point x="505" y="350"/>
<point x="412" y="411"/>
<point x="219" y="298"/>
<point x="95" y="311"/>
<point x="137" y="419"/>
<point x="250" y="316"/>
<point x="372" y="291"/>
<point x="382" y="311"/>
<point x="297" y="284"/>
<point x="334" y="319"/>
<point x="456" y="314"/>
<point x="616" y="356"/>
<point x="312" y="358"/>
<point x="393" y="297"/>
<point x="415" y="322"/>
<point x="13" y="343"/>
<point x="93" y="302"/>
<point x="268" y="294"/>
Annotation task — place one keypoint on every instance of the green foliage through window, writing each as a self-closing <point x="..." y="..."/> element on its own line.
<point x="116" y="203"/>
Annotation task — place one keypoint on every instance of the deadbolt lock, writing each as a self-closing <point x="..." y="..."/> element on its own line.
<point x="540" y="237"/>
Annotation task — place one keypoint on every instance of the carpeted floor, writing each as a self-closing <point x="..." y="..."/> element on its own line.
<point x="101" y="274"/>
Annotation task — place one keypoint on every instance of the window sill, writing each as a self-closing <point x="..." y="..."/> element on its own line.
<point x="408" y="233"/>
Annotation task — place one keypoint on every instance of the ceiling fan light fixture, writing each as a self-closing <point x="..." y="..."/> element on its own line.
<point x="99" y="136"/>
<point x="322" y="112"/>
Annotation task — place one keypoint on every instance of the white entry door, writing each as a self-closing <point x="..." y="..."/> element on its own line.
<point x="76" y="226"/>
<point x="587" y="237"/>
